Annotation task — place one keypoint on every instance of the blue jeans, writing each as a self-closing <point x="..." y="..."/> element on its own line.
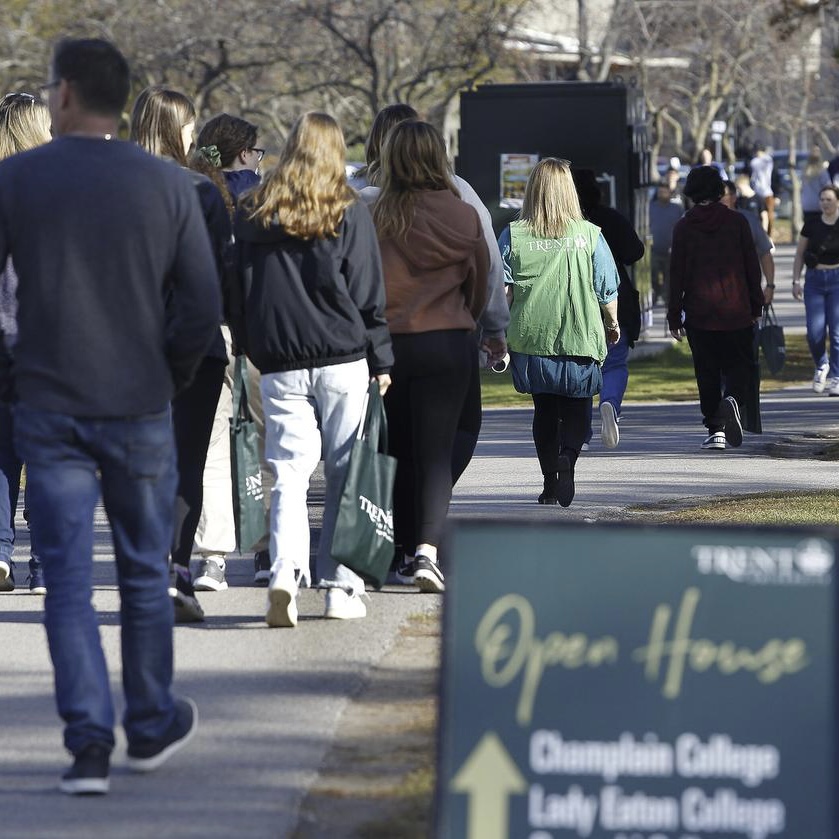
<point x="131" y="461"/>
<point x="10" y="467"/>
<point x="821" y="304"/>
<point x="615" y="377"/>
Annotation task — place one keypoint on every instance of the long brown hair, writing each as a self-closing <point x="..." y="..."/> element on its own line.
<point x="158" y="116"/>
<point x="413" y="159"/>
<point x="550" y="199"/>
<point x="307" y="192"/>
<point x="386" y="119"/>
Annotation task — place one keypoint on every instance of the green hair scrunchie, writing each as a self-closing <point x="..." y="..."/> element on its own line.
<point x="211" y="154"/>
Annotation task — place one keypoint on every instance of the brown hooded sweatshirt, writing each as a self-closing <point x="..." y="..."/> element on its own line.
<point x="436" y="277"/>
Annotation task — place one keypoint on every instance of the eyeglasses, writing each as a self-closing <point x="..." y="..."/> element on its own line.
<point x="45" y="88"/>
<point x="260" y="153"/>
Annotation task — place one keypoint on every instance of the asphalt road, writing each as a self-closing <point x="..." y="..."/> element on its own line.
<point x="270" y="700"/>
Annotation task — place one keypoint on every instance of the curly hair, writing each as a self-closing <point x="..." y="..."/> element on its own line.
<point x="307" y="192"/>
<point x="704" y="183"/>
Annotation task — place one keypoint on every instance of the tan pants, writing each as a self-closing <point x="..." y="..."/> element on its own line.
<point x="216" y="532"/>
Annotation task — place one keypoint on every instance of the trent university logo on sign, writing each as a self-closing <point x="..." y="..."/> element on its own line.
<point x="808" y="563"/>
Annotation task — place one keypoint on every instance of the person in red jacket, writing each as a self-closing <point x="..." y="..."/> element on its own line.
<point x="715" y="299"/>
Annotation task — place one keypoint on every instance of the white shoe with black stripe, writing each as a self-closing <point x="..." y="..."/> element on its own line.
<point x="428" y="576"/>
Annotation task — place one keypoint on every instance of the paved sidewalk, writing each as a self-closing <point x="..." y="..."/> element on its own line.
<point x="271" y="700"/>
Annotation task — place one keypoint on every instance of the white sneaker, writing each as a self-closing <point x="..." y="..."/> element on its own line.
<point x="344" y="606"/>
<point x="609" y="431"/>
<point x="833" y="387"/>
<point x="820" y="378"/>
<point x="282" y="598"/>
<point x="715" y="441"/>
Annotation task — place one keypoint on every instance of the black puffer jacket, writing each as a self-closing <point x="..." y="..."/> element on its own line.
<point x="310" y="303"/>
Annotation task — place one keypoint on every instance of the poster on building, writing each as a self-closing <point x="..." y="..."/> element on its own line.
<point x="515" y="170"/>
<point x="627" y="682"/>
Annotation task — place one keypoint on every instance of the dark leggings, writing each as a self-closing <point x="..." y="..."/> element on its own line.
<point x="423" y="407"/>
<point x="469" y="423"/>
<point x="560" y="424"/>
<point x="193" y="411"/>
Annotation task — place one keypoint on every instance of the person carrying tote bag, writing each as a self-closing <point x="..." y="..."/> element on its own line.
<point x="312" y="322"/>
<point x="363" y="538"/>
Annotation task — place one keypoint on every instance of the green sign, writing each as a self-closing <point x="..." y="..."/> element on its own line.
<point x="637" y="683"/>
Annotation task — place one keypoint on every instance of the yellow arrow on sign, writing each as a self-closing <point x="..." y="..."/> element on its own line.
<point x="489" y="777"/>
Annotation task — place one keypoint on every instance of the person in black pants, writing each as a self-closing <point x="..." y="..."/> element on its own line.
<point x="435" y="262"/>
<point x="715" y="298"/>
<point x="423" y="407"/>
<point x="163" y="122"/>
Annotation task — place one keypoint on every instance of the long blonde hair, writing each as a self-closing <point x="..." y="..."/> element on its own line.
<point x="307" y="192"/>
<point x="24" y="123"/>
<point x="550" y="199"/>
<point x="157" y="119"/>
<point x="413" y="159"/>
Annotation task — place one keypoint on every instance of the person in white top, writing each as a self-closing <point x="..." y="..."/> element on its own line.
<point x="761" y="178"/>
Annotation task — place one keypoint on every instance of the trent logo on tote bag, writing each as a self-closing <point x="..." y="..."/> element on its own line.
<point x="383" y="519"/>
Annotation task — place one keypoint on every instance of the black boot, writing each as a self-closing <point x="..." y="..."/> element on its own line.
<point x="549" y="492"/>
<point x="565" y="487"/>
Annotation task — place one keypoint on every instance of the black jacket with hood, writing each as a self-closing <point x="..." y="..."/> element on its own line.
<point x="714" y="271"/>
<point x="310" y="303"/>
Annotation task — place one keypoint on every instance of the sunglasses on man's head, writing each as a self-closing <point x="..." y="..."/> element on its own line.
<point x="12" y="98"/>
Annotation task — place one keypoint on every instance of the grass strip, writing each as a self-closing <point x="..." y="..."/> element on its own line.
<point x="667" y="376"/>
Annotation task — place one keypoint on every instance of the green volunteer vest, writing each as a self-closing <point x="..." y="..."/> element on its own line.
<point x="555" y="310"/>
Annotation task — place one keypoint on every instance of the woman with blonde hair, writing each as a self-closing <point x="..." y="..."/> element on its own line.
<point x="24" y="124"/>
<point x="562" y="285"/>
<point x="163" y="123"/>
<point x="311" y="319"/>
<point x="435" y="261"/>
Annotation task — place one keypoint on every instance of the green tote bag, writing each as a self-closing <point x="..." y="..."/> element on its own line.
<point x="363" y="538"/>
<point x="248" y="509"/>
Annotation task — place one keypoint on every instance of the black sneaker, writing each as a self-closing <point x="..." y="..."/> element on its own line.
<point x="210" y="575"/>
<point x="405" y="571"/>
<point x="187" y="607"/>
<point x="151" y="755"/>
<point x="89" y="773"/>
<point x="36" y="577"/>
<point x="428" y="576"/>
<point x="565" y="487"/>
<point x="7" y="575"/>
<point x="261" y="568"/>
<point x="733" y="426"/>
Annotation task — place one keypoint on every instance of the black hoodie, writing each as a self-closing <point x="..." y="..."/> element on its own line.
<point x="310" y="303"/>
<point x="714" y="271"/>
